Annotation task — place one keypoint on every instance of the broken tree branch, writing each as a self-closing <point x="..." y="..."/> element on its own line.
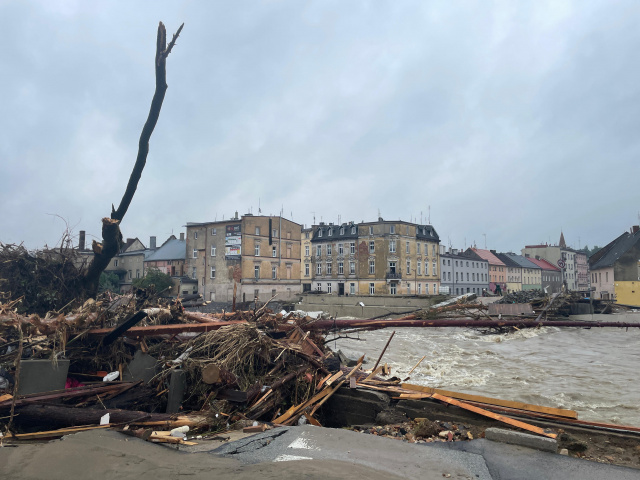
<point x="111" y="235"/>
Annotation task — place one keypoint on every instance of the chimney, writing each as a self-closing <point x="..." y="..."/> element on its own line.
<point x="493" y="251"/>
<point x="182" y="236"/>
<point x="81" y="240"/>
<point x="635" y="228"/>
<point x="152" y="242"/>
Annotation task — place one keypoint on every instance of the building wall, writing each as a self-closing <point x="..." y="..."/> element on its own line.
<point x="603" y="281"/>
<point x="582" y="271"/>
<point x="552" y="280"/>
<point x="531" y="278"/>
<point x="306" y="258"/>
<point x="462" y="274"/>
<point x="627" y="293"/>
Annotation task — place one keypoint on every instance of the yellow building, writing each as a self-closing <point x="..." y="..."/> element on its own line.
<point x="258" y="256"/>
<point x="375" y="258"/>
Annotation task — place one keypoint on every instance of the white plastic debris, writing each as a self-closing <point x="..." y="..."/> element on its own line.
<point x="4" y="383"/>
<point x="255" y="424"/>
<point x="302" y="420"/>
<point x="110" y="377"/>
<point x="182" y="357"/>
<point x="179" y="431"/>
<point x="104" y="420"/>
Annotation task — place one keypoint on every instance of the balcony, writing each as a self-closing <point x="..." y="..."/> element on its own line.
<point x="393" y="276"/>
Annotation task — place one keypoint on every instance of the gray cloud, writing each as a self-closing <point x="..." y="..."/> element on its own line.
<point x="508" y="119"/>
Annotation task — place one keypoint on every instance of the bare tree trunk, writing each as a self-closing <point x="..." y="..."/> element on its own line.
<point x="111" y="235"/>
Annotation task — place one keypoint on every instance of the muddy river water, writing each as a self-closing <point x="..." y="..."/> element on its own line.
<point x="593" y="371"/>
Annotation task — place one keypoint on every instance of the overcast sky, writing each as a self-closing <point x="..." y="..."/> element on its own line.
<point x="510" y="119"/>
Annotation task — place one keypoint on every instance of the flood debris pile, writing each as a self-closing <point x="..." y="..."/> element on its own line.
<point x="147" y="363"/>
<point x="423" y="430"/>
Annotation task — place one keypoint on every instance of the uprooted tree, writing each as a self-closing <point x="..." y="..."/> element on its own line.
<point x="111" y="235"/>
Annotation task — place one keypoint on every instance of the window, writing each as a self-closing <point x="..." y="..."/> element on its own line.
<point x="328" y="288"/>
<point x="372" y="267"/>
<point x="392" y="267"/>
<point x="418" y="248"/>
<point x="434" y="289"/>
<point x="257" y="249"/>
<point x="213" y="251"/>
<point x="408" y="267"/>
<point x="214" y="231"/>
<point x="473" y="277"/>
<point x="328" y="249"/>
<point x="306" y="269"/>
<point x="318" y="250"/>
<point x="331" y="232"/>
<point x="448" y="273"/>
<point x="340" y="249"/>
<point x="341" y="230"/>
<point x="419" y="268"/>
<point x="394" y="288"/>
<point x="306" y="250"/>
<point x="353" y="230"/>
<point x="352" y="248"/>
<point x="393" y="229"/>
<point x="340" y="268"/>
<point x="372" y="288"/>
<point x="456" y="276"/>
<point x="319" y="269"/>
<point x="288" y="272"/>
<point x="370" y="230"/>
<point x="274" y="232"/>
<point x="138" y="273"/>
<point x="352" y="268"/>
<point x="352" y="289"/>
<point x="195" y="253"/>
<point x="328" y="268"/>
<point x="257" y="230"/>
<point x="392" y="246"/>
<point x="115" y="262"/>
<point x="202" y="281"/>
<point x="433" y="252"/>
<point x="256" y="272"/>
<point x="274" y="272"/>
<point x="467" y="276"/>
<point x="213" y="272"/>
<point x="456" y="263"/>
<point x="407" y="248"/>
<point x="372" y="247"/>
<point x="467" y="264"/>
<point x="319" y="235"/>
<point x="195" y="235"/>
<point x="274" y="252"/>
<point x="319" y="287"/>
<point x="306" y="235"/>
<point x="434" y="269"/>
<point x="419" y="288"/>
<point x="193" y="273"/>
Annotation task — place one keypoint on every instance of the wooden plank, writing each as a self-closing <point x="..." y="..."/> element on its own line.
<point x="57" y="433"/>
<point x="495" y="416"/>
<point x="494" y="401"/>
<point x="374" y="373"/>
<point x="333" y="378"/>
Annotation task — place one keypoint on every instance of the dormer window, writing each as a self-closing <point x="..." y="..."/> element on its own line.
<point x="331" y="232"/>
<point x="353" y="230"/>
<point x="320" y="233"/>
<point x="341" y="230"/>
<point x="393" y="229"/>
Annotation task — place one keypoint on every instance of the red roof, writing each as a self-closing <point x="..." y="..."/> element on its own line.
<point x="487" y="255"/>
<point x="542" y="263"/>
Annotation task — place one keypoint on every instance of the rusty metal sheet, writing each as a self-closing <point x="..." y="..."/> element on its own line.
<point x="510" y="309"/>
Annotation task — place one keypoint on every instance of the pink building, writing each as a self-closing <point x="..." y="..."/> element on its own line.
<point x="497" y="269"/>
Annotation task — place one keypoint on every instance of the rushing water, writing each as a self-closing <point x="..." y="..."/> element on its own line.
<point x="592" y="371"/>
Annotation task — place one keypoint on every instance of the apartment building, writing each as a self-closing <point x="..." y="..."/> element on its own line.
<point x="258" y="256"/>
<point x="384" y="257"/>
<point x="497" y="269"/>
<point x="462" y="272"/>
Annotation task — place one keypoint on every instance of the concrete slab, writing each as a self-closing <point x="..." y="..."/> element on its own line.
<point x="523" y="439"/>
<point x="142" y="367"/>
<point x="42" y="375"/>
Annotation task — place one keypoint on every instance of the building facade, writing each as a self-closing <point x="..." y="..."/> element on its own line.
<point x="463" y="272"/>
<point x="550" y="275"/>
<point x="128" y="264"/>
<point x="255" y="256"/>
<point x="170" y="259"/>
<point x="375" y="258"/>
<point x="497" y="269"/>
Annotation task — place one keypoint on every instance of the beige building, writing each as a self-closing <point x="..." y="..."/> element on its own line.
<point x="258" y="255"/>
<point x="375" y="258"/>
<point x="129" y="263"/>
<point x="306" y="273"/>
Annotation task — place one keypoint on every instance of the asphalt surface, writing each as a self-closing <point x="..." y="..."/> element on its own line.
<point x="476" y="459"/>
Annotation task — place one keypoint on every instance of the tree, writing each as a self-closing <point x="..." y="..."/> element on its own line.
<point x="109" y="281"/>
<point x="156" y="279"/>
<point x="111" y="235"/>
